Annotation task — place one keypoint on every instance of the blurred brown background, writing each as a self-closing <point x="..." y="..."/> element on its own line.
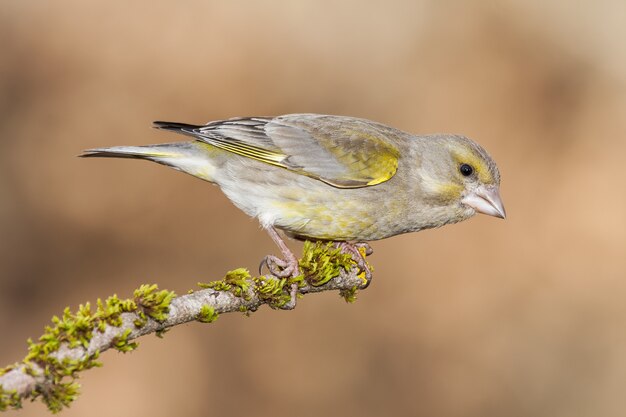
<point x="523" y="317"/>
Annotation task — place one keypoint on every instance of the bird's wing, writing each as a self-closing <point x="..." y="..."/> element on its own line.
<point x="341" y="151"/>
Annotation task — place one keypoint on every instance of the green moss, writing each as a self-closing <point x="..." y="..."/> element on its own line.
<point x="121" y="343"/>
<point x="76" y="330"/>
<point x="59" y="395"/>
<point x="272" y="290"/>
<point x="9" y="399"/>
<point x="322" y="262"/>
<point x="275" y="291"/>
<point x="239" y="279"/>
<point x="207" y="314"/>
<point x="349" y="295"/>
<point x="154" y="303"/>
<point x="109" y="312"/>
<point x="73" y="330"/>
<point x="236" y="281"/>
<point x="161" y="332"/>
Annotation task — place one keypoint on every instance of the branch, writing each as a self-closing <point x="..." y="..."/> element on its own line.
<point x="75" y="341"/>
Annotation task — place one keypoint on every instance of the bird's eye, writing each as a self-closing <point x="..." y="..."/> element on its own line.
<point x="466" y="170"/>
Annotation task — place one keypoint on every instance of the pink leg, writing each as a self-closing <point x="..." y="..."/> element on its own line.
<point x="283" y="268"/>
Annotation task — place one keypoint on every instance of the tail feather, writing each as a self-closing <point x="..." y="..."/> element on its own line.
<point x="138" y="152"/>
<point x="191" y="157"/>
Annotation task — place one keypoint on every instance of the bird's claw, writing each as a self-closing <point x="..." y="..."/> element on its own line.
<point x="283" y="269"/>
<point x="279" y="267"/>
<point x="359" y="257"/>
<point x="365" y="246"/>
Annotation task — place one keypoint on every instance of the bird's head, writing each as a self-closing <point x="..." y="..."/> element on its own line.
<point x="460" y="174"/>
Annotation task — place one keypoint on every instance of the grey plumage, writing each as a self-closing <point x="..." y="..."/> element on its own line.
<point x="327" y="177"/>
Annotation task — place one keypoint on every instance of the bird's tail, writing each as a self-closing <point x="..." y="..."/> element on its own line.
<point x="191" y="157"/>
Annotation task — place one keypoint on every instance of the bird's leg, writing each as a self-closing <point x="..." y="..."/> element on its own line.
<point x="359" y="258"/>
<point x="283" y="268"/>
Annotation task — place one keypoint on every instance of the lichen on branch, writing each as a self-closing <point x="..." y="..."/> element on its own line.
<point x="75" y="340"/>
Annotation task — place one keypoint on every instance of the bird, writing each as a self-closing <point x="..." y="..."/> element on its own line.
<point x="332" y="178"/>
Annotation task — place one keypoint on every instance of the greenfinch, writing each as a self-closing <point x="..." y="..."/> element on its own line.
<point x="334" y="178"/>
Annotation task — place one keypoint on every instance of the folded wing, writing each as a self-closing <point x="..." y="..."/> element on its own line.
<point x="343" y="152"/>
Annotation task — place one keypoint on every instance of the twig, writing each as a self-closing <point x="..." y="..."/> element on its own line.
<point x="76" y="340"/>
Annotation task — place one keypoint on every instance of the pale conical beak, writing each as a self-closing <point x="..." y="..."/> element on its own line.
<point x="486" y="200"/>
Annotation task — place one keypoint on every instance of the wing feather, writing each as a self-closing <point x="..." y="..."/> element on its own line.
<point x="341" y="151"/>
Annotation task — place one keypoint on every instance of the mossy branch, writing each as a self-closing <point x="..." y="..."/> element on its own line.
<point x="74" y="342"/>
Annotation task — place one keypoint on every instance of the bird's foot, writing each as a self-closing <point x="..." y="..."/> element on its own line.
<point x="364" y="247"/>
<point x="358" y="251"/>
<point x="284" y="268"/>
<point x="281" y="268"/>
<point x="287" y="267"/>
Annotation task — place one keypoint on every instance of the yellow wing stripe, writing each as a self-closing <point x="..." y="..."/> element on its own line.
<point x="381" y="169"/>
<point x="249" y="151"/>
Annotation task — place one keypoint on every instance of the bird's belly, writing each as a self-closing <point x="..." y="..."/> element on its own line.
<point x="326" y="219"/>
<point x="312" y="209"/>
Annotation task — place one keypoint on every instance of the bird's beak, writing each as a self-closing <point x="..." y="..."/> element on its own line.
<point x="486" y="200"/>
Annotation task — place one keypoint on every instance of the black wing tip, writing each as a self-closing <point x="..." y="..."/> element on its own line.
<point x="175" y="126"/>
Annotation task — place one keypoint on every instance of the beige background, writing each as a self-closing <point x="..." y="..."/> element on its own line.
<point x="523" y="317"/>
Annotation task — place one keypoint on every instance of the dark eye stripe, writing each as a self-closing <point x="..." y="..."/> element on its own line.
<point x="466" y="170"/>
